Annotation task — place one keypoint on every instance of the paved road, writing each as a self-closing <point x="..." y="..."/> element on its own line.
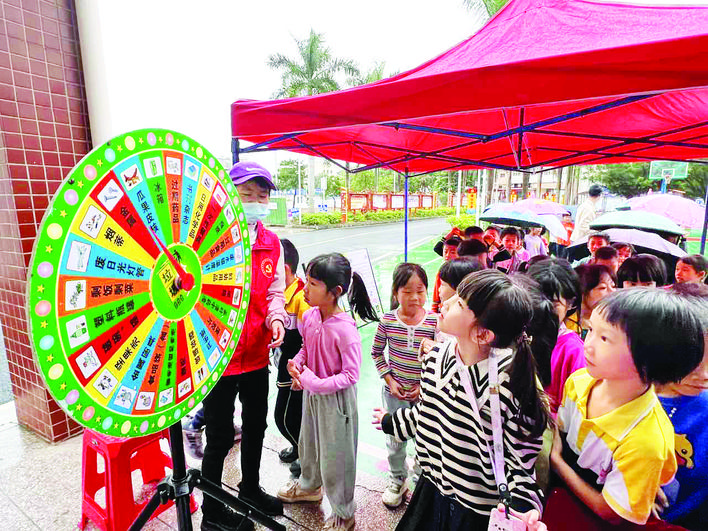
<point x="382" y="241"/>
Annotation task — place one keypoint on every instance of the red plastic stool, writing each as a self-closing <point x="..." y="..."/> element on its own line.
<point x="121" y="458"/>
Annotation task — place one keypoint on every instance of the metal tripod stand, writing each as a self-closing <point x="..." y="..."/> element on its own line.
<point x="179" y="486"/>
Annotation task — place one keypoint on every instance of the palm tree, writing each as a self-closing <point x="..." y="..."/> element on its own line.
<point x="375" y="73"/>
<point x="312" y="71"/>
<point x="486" y="8"/>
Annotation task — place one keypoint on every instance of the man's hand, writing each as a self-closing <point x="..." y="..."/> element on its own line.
<point x="278" y="334"/>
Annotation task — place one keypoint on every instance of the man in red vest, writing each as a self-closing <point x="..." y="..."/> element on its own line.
<point x="247" y="373"/>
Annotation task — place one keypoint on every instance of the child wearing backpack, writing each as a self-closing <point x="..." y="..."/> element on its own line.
<point x="288" y="404"/>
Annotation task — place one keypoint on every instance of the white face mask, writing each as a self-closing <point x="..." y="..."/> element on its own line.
<point x="255" y="212"/>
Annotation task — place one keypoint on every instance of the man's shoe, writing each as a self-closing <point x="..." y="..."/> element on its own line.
<point x="295" y="469"/>
<point x="288" y="455"/>
<point x="394" y="494"/>
<point x="195" y="447"/>
<point x="226" y="519"/>
<point x="261" y="500"/>
<point x="292" y="492"/>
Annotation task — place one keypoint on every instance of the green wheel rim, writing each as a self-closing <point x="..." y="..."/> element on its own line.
<point x="122" y="349"/>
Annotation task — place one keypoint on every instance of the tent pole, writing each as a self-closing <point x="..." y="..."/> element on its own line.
<point x="299" y="189"/>
<point x="235" y="150"/>
<point x="705" y="224"/>
<point x="405" y="223"/>
<point x="459" y="192"/>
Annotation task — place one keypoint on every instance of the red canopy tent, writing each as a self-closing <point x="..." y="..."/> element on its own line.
<point x="546" y="83"/>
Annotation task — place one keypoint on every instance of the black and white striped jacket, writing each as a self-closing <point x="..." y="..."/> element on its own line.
<point x="450" y="443"/>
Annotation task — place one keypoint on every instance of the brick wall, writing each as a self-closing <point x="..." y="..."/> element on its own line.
<point x="44" y="132"/>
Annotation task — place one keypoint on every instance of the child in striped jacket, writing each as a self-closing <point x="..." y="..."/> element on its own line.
<point x="402" y="329"/>
<point x="490" y="354"/>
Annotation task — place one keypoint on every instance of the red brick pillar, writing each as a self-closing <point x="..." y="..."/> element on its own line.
<point x="44" y="132"/>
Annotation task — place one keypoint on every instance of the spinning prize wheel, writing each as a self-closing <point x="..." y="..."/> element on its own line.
<point x="139" y="283"/>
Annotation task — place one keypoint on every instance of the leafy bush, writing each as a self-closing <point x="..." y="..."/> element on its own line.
<point x="333" y="218"/>
<point x="322" y="218"/>
<point x="462" y="221"/>
<point x="434" y="212"/>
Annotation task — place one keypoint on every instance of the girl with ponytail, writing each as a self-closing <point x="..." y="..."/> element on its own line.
<point x="477" y="388"/>
<point x="327" y="369"/>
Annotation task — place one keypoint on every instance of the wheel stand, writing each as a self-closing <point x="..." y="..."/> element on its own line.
<point x="179" y="486"/>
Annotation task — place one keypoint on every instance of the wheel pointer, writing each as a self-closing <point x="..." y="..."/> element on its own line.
<point x="185" y="280"/>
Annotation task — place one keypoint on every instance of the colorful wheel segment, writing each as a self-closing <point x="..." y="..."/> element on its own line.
<point x="139" y="283"/>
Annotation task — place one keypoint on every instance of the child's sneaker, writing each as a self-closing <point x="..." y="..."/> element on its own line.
<point x="337" y="523"/>
<point x="292" y="492"/>
<point x="394" y="494"/>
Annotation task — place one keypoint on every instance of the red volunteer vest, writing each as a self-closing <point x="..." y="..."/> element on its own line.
<point x="251" y="352"/>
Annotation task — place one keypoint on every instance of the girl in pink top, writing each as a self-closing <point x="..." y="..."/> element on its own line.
<point x="327" y="369"/>
<point x="561" y="285"/>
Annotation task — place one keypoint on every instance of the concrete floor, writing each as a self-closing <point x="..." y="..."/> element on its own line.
<point x="40" y="486"/>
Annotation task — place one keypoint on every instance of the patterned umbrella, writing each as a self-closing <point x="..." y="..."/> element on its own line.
<point x="542" y="206"/>
<point x="680" y="210"/>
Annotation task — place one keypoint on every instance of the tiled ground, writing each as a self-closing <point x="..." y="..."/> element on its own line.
<point x="40" y="483"/>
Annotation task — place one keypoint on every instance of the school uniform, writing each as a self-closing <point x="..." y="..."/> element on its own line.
<point x="626" y="454"/>
<point x="688" y="493"/>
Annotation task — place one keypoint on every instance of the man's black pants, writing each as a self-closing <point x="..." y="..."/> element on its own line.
<point x="252" y="390"/>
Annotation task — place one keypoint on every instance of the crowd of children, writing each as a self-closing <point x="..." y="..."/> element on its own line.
<point x="537" y="395"/>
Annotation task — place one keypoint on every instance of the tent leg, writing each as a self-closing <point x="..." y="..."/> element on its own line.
<point x="405" y="223"/>
<point x="235" y="150"/>
<point x="705" y="225"/>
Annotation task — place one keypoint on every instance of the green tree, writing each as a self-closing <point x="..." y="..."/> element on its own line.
<point x="629" y="180"/>
<point x="335" y="183"/>
<point x="287" y="175"/>
<point x="375" y="73"/>
<point x="626" y="180"/>
<point x="486" y="8"/>
<point x="695" y="183"/>
<point x="313" y="71"/>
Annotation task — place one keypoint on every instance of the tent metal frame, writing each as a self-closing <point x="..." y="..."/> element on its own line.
<point x="294" y="142"/>
<point x="571" y="158"/>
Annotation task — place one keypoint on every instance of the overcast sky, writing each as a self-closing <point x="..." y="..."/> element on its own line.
<point x="181" y="63"/>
